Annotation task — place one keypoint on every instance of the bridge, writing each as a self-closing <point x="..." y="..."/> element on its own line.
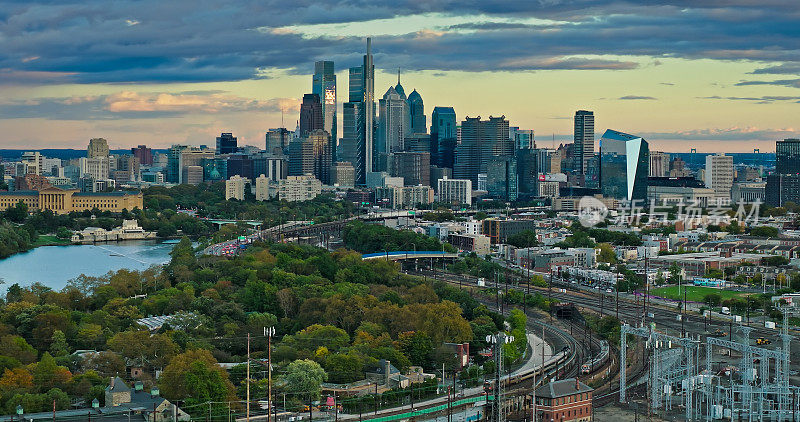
<point x="404" y="255"/>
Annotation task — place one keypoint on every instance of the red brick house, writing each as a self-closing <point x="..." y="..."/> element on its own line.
<point x="564" y="401"/>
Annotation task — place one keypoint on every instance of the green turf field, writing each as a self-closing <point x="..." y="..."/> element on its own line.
<point x="693" y="293"/>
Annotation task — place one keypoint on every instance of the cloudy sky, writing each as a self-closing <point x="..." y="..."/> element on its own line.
<point x="711" y="74"/>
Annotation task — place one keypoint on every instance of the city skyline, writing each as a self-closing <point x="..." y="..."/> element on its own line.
<point x="75" y="75"/>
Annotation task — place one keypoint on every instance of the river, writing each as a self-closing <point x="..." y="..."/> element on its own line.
<point x="53" y="266"/>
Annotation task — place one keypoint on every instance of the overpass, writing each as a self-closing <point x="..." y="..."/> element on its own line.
<point x="403" y="255"/>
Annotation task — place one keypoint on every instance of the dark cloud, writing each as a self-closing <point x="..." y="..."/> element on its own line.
<point x="92" y="41"/>
<point x="794" y="83"/>
<point x="637" y="97"/>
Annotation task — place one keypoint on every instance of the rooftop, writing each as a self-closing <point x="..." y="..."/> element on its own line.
<point x="562" y="388"/>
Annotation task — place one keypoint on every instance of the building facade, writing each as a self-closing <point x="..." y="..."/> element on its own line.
<point x="583" y="136"/>
<point x="567" y="400"/>
<point x="310" y="115"/>
<point x="227" y="144"/>
<point x="299" y="188"/>
<point x="455" y="191"/>
<point x="98" y="147"/>
<point x="624" y="162"/>
<point x="63" y="201"/>
<point x="719" y="174"/>
<point x="324" y="85"/>
<point x="787" y="156"/>
<point x="234" y="188"/>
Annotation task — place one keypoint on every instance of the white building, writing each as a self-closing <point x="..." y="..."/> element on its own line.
<point x="659" y="164"/>
<point x="234" y="187"/>
<point x="719" y="174"/>
<point x="266" y="189"/>
<point x="97" y="167"/>
<point x="299" y="188"/>
<point x="455" y="191"/>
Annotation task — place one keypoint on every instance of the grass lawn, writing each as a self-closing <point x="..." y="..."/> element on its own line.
<point x="50" y="240"/>
<point x="693" y="293"/>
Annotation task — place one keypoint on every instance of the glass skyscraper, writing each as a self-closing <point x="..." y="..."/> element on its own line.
<point x="358" y="118"/>
<point x="324" y="85"/>
<point x="443" y="136"/>
<point x="787" y="156"/>
<point x="624" y="165"/>
<point x="583" y="140"/>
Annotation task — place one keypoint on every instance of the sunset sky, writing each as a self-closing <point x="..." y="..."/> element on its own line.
<point x="708" y="74"/>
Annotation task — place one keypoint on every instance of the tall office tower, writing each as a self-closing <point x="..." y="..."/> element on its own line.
<point x="310" y="115"/>
<point x="624" y="162"/>
<point x="301" y="157"/>
<point x="413" y="167"/>
<point x="144" y="154"/>
<point x="527" y="170"/>
<point x="192" y="156"/>
<point x="393" y="123"/>
<point x="274" y="167"/>
<point x="481" y="140"/>
<point x="321" y="150"/>
<point x="787" y="156"/>
<point x="368" y="86"/>
<point x="659" y="164"/>
<point x="353" y="148"/>
<point x="443" y="136"/>
<point x="226" y="144"/>
<point x="173" y="171"/>
<point x="501" y="177"/>
<point x="455" y="191"/>
<point x="98" y="147"/>
<point x="523" y="139"/>
<point x="719" y="174"/>
<point x="324" y="85"/>
<point x="277" y="140"/>
<point x="416" y="111"/>
<point x="584" y="140"/>
<point x="33" y="162"/>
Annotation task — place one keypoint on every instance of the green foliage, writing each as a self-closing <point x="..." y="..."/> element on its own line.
<point x="368" y="238"/>
<point x="764" y="231"/>
<point x="523" y="239"/>
<point x="303" y="379"/>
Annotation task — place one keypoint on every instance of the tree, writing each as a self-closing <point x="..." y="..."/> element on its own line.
<point x="144" y="349"/>
<point x="59" y="345"/>
<point x="606" y="253"/>
<point x="523" y="239"/>
<point x="304" y="378"/>
<point x="418" y="347"/>
<point x="47" y="374"/>
<point x="764" y="231"/>
<point x="712" y="299"/>
<point x="195" y="374"/>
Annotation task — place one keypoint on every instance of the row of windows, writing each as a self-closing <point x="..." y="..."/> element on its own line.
<point x="569" y="414"/>
<point x="564" y="400"/>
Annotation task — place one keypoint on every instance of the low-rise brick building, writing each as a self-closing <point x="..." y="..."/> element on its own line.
<point x="564" y="401"/>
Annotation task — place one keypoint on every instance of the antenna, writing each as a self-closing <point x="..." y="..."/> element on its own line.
<point x="398" y="76"/>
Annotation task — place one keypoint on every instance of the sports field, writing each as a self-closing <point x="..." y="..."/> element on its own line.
<point x="693" y="293"/>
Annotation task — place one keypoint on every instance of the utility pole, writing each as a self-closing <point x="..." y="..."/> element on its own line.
<point x="269" y="332"/>
<point x="248" y="378"/>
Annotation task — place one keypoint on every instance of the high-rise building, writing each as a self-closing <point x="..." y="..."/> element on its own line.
<point x="787" y="156"/>
<point x="443" y="136"/>
<point x="97" y="167"/>
<point x="274" y="167"/>
<point x="324" y="85"/>
<point x="782" y="188"/>
<point x="301" y="157"/>
<point x="240" y="164"/>
<point x="527" y="170"/>
<point x="266" y="189"/>
<point x="416" y="111"/>
<point x="343" y="174"/>
<point x="659" y="164"/>
<point x="234" y="188"/>
<point x="393" y="123"/>
<point x="310" y="115"/>
<point x="583" y="140"/>
<point x="481" y="140"/>
<point x="413" y="167"/>
<point x="523" y="139"/>
<point x="501" y="177"/>
<point x="144" y="154"/>
<point x="624" y="162"/>
<point x="358" y="118"/>
<point x="226" y="144"/>
<point x="33" y="162"/>
<point x="98" y="147"/>
<point x="368" y="86"/>
<point x="321" y="149"/>
<point x="277" y="140"/>
<point x="455" y="191"/>
<point x="719" y="174"/>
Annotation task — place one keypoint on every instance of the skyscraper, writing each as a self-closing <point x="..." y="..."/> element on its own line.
<point x="301" y="157"/>
<point x="226" y="144"/>
<point x="584" y="140"/>
<point x="624" y="165"/>
<point x="523" y="139"/>
<point x="659" y="164"/>
<point x="393" y="124"/>
<point x="144" y="154"/>
<point x="324" y="85"/>
<point x="310" y="115"/>
<point x="98" y="147"/>
<point x="501" y="177"/>
<point x="358" y="118"/>
<point x="787" y="156"/>
<point x="277" y="140"/>
<point x="321" y="149"/>
<point x="719" y="174"/>
<point x="368" y="86"/>
<point x="480" y="141"/>
<point x="443" y="136"/>
<point x="416" y="110"/>
<point x="413" y="167"/>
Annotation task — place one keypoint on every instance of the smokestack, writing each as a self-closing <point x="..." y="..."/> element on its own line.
<point x="577" y="385"/>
